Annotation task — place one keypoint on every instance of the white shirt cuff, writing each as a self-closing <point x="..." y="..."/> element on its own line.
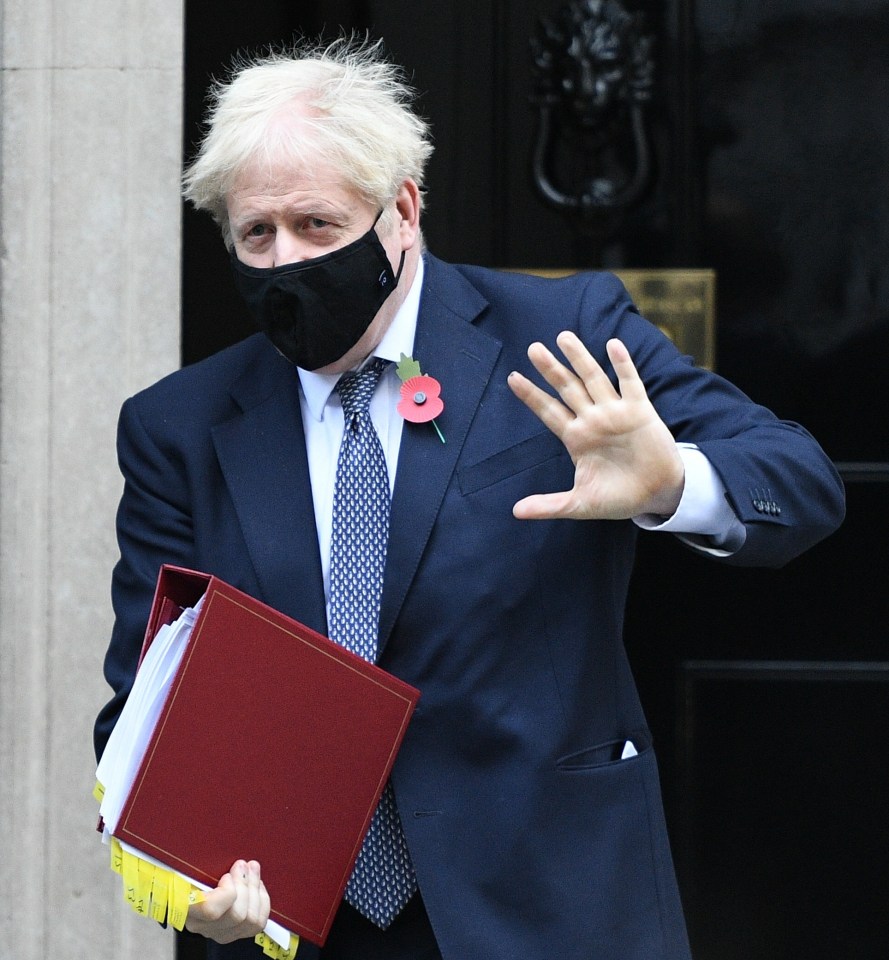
<point x="704" y="520"/>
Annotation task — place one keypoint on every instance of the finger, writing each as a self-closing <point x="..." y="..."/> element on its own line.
<point x="257" y="897"/>
<point x="551" y="412"/>
<point x="629" y="381"/>
<point x="263" y="901"/>
<point x="563" y="379"/>
<point x="216" y="903"/>
<point x="587" y="369"/>
<point x="239" y="906"/>
<point x="544" y="506"/>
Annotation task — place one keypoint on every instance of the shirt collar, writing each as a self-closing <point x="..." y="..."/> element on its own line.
<point x="397" y="340"/>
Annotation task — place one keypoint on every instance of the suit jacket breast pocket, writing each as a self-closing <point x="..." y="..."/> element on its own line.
<point x="541" y="449"/>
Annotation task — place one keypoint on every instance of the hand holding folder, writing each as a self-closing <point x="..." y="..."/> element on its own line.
<point x="238" y="908"/>
<point x="255" y="751"/>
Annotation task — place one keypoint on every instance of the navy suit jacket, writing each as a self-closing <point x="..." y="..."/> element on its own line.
<point x="530" y="839"/>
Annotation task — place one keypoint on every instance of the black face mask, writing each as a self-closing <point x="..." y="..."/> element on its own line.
<point x="315" y="311"/>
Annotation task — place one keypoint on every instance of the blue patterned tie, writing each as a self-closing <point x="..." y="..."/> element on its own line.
<point x="383" y="880"/>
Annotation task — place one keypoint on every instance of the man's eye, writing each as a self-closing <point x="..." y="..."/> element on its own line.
<point x="257" y="230"/>
<point x="316" y="223"/>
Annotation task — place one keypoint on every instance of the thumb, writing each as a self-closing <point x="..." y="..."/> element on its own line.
<point x="216" y="902"/>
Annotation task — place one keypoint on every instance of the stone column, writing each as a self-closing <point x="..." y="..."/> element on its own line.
<point x="90" y="144"/>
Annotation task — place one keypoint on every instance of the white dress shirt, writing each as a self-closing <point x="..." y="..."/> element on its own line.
<point x="704" y="518"/>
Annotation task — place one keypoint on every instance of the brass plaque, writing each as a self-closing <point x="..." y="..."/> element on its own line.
<point x="682" y="303"/>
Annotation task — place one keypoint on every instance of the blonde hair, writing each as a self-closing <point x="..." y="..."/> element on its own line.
<point x="357" y="115"/>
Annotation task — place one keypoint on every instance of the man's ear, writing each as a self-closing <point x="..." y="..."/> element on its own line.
<point x="407" y="203"/>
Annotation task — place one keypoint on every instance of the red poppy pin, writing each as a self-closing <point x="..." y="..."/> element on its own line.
<point x="420" y="394"/>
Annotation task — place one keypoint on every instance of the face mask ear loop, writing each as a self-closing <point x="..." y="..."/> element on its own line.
<point x="373" y="227"/>
<point x="400" y="268"/>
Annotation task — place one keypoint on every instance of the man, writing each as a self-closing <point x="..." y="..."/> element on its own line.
<point x="526" y="787"/>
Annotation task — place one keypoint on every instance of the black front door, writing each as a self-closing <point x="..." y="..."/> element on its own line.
<point x="769" y="158"/>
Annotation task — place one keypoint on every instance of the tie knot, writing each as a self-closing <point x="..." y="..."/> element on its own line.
<point x="356" y="389"/>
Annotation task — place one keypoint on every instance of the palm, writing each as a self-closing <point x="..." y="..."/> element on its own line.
<point x="625" y="458"/>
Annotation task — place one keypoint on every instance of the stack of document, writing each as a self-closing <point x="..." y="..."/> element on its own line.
<point x="238" y="742"/>
<point x="151" y="888"/>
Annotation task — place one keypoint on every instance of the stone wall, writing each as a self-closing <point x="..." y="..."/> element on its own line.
<point x="90" y="144"/>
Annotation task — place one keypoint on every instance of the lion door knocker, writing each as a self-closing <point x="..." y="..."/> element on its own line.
<point x="592" y="74"/>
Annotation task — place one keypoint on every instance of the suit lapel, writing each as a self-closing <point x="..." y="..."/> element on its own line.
<point x="262" y="454"/>
<point x="449" y="348"/>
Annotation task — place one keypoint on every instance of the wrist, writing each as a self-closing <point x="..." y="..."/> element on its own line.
<point x="666" y="502"/>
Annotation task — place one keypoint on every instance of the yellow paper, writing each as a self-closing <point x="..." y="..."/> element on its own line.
<point x="180" y="893"/>
<point x="290" y="952"/>
<point x="274" y="950"/>
<point x="130" y="873"/>
<point x="116" y="856"/>
<point x="163" y="894"/>
<point x="160" y="893"/>
<point x="144" y="884"/>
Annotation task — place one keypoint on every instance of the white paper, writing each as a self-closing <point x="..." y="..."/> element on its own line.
<point x="129" y="739"/>
<point x="131" y="734"/>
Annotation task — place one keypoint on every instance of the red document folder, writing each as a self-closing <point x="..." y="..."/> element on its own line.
<point x="274" y="745"/>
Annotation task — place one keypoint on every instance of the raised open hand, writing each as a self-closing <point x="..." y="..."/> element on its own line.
<point x="625" y="458"/>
